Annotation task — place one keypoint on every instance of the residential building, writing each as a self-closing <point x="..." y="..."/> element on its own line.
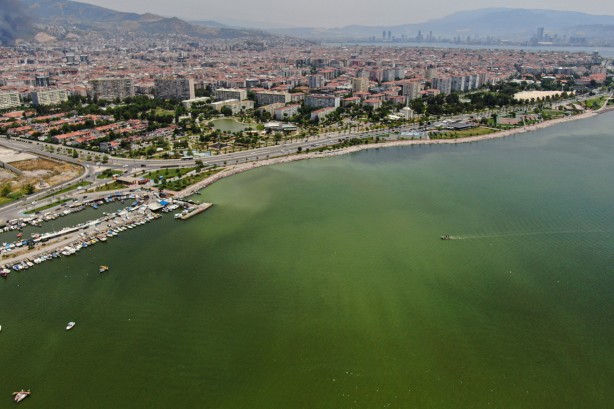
<point x="267" y="98"/>
<point x="322" y="101"/>
<point x="320" y="114"/>
<point x="42" y="81"/>
<point x="360" y="84"/>
<point x="9" y="100"/>
<point x="442" y="84"/>
<point x="316" y="81"/>
<point x="458" y="83"/>
<point x="112" y="88"/>
<point x="187" y="104"/>
<point x="234" y="104"/>
<point x="373" y="103"/>
<point x="223" y="94"/>
<point x="174" y="88"/>
<point x="411" y="89"/>
<point x="49" y="97"/>
<point x="286" y="112"/>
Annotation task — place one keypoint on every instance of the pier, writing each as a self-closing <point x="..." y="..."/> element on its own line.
<point x="193" y="211"/>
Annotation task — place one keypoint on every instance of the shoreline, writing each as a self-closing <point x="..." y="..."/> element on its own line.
<point x="236" y="169"/>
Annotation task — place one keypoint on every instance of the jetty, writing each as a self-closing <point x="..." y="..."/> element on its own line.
<point x="194" y="210"/>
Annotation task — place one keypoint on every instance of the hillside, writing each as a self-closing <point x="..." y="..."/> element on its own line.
<point x="89" y="17"/>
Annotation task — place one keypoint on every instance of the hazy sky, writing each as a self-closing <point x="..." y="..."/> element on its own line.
<point x="332" y="13"/>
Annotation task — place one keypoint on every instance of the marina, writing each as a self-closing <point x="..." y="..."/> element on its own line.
<point x="25" y="253"/>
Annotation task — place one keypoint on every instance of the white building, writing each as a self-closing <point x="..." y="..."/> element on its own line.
<point x="287" y="112"/>
<point x="223" y="94"/>
<point x="49" y="97"/>
<point x="9" y="100"/>
<point x="322" y="101"/>
<point x="267" y="98"/>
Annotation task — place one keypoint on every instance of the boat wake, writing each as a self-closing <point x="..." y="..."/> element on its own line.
<point x="522" y="234"/>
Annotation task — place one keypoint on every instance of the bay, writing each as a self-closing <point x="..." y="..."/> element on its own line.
<point x="324" y="284"/>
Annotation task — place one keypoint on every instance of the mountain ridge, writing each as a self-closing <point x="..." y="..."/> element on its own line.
<point x="85" y="16"/>
<point x="512" y="23"/>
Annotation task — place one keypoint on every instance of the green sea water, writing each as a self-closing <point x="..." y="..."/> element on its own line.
<point x="324" y="284"/>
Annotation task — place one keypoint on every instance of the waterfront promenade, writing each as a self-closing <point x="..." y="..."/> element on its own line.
<point x="233" y="170"/>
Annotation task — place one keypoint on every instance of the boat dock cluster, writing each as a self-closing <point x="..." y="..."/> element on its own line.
<point x="65" y="209"/>
<point x="25" y="253"/>
<point x="84" y="235"/>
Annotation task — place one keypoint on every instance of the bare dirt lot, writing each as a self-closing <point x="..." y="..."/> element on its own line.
<point x="44" y="172"/>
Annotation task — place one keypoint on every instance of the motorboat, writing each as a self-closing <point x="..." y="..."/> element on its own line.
<point x="446" y="237"/>
<point x="70" y="325"/>
<point x="21" y="395"/>
<point x="102" y="269"/>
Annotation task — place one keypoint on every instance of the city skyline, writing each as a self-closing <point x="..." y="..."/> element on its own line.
<point x="321" y="13"/>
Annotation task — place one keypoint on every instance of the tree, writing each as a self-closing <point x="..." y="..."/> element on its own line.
<point x="105" y="159"/>
<point x="75" y="154"/>
<point x="28" y="189"/>
<point x="5" y="189"/>
<point x="277" y="137"/>
<point x="226" y="111"/>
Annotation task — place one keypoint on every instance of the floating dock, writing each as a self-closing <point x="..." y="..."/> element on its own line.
<point x="198" y="209"/>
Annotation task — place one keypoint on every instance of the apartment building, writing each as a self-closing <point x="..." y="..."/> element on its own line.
<point x="9" y="100"/>
<point x="320" y="114"/>
<point x="360" y="84"/>
<point x="112" y="88"/>
<point x="322" y="101"/>
<point x="287" y="112"/>
<point x="444" y="85"/>
<point x="223" y="94"/>
<point x="174" y="88"/>
<point x="267" y="98"/>
<point x="49" y="97"/>
<point x="235" y="105"/>
<point x="316" y="81"/>
<point x="411" y="89"/>
<point x="42" y="81"/>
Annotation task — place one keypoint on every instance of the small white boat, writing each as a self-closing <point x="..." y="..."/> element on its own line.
<point x="19" y="396"/>
<point x="70" y="325"/>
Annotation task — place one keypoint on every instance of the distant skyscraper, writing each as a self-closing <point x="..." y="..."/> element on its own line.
<point x="540" y="34"/>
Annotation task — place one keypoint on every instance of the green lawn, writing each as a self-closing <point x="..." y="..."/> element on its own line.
<point x="463" y="134"/>
<point x="552" y="114"/>
<point x="595" y="103"/>
<point x="109" y="173"/>
<point x="168" y="173"/>
<point x="5" y="200"/>
<point x="190" y="180"/>
<point x="109" y="187"/>
<point x="164" y="112"/>
<point x="83" y="183"/>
